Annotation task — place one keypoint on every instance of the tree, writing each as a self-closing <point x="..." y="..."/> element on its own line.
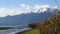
<point x="32" y="25"/>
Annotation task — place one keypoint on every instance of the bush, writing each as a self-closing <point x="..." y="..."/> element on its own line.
<point x="32" y="25"/>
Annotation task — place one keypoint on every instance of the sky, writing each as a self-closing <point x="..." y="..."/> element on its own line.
<point x="16" y="3"/>
<point x="13" y="7"/>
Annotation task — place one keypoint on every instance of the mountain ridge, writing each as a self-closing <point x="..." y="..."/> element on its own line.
<point x="24" y="19"/>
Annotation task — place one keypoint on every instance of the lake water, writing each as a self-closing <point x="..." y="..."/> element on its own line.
<point x="13" y="30"/>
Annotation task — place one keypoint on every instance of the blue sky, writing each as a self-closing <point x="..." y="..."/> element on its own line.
<point x="16" y="3"/>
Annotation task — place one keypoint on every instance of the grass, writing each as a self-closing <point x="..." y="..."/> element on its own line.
<point x="34" y="31"/>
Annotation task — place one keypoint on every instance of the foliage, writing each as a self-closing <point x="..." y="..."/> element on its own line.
<point x="32" y="25"/>
<point x="51" y="25"/>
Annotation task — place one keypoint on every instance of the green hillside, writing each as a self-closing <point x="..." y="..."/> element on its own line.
<point x="51" y="25"/>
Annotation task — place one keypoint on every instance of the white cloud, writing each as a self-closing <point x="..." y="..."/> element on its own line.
<point x="55" y="7"/>
<point x="41" y="7"/>
<point x="2" y="12"/>
<point x="27" y="9"/>
<point x="23" y="5"/>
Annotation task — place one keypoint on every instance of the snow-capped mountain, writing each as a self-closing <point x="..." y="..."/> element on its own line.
<point x="23" y="19"/>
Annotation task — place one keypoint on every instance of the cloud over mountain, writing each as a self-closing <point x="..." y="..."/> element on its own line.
<point x="23" y="9"/>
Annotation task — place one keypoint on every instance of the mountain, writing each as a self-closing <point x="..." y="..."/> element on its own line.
<point x="23" y="19"/>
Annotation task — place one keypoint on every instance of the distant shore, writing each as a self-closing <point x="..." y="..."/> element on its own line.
<point x="4" y="28"/>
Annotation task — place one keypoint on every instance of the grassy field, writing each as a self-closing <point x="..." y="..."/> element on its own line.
<point x="34" y="31"/>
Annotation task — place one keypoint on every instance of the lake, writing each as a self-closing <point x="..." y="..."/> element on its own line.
<point x="14" y="30"/>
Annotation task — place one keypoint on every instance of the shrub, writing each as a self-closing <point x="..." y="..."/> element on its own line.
<point x="32" y="25"/>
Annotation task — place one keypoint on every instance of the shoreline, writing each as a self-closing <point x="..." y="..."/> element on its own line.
<point x="32" y="31"/>
<point x="23" y="31"/>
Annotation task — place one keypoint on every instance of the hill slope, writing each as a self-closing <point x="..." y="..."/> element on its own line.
<point x="51" y="25"/>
